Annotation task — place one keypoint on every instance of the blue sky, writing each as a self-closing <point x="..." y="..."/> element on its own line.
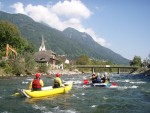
<point x="121" y="25"/>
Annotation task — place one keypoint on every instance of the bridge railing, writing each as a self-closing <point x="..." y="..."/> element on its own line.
<point x="93" y="67"/>
<point x="104" y="66"/>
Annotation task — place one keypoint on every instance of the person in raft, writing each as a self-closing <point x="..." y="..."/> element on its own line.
<point x="37" y="83"/>
<point x="57" y="81"/>
<point x="105" y="78"/>
<point x="95" y="78"/>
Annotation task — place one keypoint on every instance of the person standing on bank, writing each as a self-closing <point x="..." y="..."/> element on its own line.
<point x="37" y="83"/>
<point x="57" y="81"/>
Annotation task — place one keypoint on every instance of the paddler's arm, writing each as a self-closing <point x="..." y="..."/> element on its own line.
<point x="42" y="83"/>
<point x="30" y="86"/>
<point x="60" y="82"/>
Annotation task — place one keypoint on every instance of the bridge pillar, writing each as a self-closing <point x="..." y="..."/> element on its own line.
<point x="93" y="70"/>
<point x="118" y="70"/>
<point x="110" y="70"/>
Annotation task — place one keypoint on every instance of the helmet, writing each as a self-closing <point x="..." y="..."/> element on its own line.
<point x="105" y="74"/>
<point x="57" y="75"/>
<point x="102" y="76"/>
<point x="93" y="74"/>
<point x="38" y="75"/>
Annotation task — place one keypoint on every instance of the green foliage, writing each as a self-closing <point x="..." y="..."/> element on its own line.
<point x="30" y="63"/>
<point x="146" y="61"/>
<point x="10" y="34"/>
<point x="43" y="68"/>
<point x="100" y="62"/>
<point x="136" y="61"/>
<point x="8" y="67"/>
<point x="3" y="64"/>
<point x="21" y="65"/>
<point x="18" y="67"/>
<point x="83" y="60"/>
<point x="1" y="71"/>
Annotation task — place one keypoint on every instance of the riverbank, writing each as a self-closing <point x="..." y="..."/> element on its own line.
<point x="143" y="71"/>
<point x="64" y="71"/>
<point x="48" y="73"/>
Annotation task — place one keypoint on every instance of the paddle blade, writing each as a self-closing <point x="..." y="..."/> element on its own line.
<point x="86" y="82"/>
<point x="15" y="94"/>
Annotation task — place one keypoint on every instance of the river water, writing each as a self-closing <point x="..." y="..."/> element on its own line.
<point x="131" y="96"/>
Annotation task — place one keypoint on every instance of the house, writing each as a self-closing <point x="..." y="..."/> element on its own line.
<point x="64" y="58"/>
<point x="45" y="56"/>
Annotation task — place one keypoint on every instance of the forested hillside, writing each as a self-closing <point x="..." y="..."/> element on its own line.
<point x="69" y="42"/>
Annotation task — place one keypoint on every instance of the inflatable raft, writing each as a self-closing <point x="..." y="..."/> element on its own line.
<point x="108" y="84"/>
<point x="47" y="91"/>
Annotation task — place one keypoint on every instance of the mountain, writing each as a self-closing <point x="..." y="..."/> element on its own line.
<point x="69" y="42"/>
<point x="86" y="42"/>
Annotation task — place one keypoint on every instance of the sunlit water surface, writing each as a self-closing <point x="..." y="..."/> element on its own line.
<point x="131" y="96"/>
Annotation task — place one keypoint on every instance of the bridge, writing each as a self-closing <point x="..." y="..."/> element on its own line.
<point x="110" y="67"/>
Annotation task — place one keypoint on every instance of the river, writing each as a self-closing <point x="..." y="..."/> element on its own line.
<point x="131" y="96"/>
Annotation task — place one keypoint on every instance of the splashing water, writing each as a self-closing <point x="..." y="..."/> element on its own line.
<point x="131" y="95"/>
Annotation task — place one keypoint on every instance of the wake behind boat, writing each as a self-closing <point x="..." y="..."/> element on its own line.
<point x="47" y="91"/>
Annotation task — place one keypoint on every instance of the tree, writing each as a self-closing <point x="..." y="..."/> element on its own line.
<point x="136" y="61"/>
<point x="10" y="34"/>
<point x="146" y="61"/>
<point x="83" y="60"/>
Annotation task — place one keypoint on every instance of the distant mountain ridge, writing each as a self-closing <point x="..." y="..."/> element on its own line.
<point x="69" y="42"/>
<point x="96" y="51"/>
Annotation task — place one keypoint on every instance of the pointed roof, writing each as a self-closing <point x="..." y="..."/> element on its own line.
<point x="42" y="47"/>
<point x="44" y="56"/>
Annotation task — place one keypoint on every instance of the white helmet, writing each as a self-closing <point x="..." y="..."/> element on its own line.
<point x="105" y="74"/>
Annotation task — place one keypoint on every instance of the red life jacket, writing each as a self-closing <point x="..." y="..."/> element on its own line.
<point x="36" y="84"/>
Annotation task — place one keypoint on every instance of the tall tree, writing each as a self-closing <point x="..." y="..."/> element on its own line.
<point x="136" y="61"/>
<point x="10" y="34"/>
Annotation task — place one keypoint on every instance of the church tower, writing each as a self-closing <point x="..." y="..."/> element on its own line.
<point x="42" y="47"/>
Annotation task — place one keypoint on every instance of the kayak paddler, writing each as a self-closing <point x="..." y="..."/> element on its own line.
<point x="57" y="81"/>
<point x="95" y="78"/>
<point x="37" y="83"/>
<point x="105" y="78"/>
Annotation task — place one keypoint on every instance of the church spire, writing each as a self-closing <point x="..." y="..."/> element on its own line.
<point x="42" y="47"/>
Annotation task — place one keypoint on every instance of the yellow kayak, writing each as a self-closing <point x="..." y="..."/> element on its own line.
<point x="47" y="91"/>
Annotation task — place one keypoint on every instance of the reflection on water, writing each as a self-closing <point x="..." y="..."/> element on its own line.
<point x="132" y="95"/>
